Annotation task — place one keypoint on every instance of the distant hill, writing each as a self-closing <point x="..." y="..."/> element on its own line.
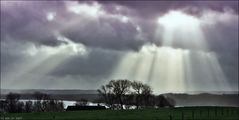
<point x="182" y="99"/>
<point x="48" y="91"/>
<point x="79" y="91"/>
<point x="205" y="99"/>
<point x="55" y="94"/>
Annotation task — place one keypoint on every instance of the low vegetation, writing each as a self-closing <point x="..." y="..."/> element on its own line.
<point x="42" y="103"/>
<point x="184" y="113"/>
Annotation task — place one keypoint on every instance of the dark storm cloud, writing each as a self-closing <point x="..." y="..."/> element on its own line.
<point x="26" y="21"/>
<point x="152" y="9"/>
<point x="105" y="33"/>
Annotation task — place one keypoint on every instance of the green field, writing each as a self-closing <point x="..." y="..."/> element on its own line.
<point x="184" y="113"/>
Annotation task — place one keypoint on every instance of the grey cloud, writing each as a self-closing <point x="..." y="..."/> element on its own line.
<point x="27" y="22"/>
<point x="106" y="34"/>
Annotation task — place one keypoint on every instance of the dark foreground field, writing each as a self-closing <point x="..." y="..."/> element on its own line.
<point x="189" y="113"/>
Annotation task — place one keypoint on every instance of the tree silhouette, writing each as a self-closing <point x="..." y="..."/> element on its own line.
<point x="119" y="89"/>
<point x="106" y="92"/>
<point x="12" y="102"/>
<point x="125" y="92"/>
<point x="141" y="91"/>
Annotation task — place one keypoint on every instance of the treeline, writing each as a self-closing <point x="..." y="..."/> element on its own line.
<point x="42" y="103"/>
<point x="122" y="94"/>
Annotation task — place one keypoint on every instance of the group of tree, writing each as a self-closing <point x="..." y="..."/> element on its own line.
<point x="42" y="103"/>
<point x="119" y="93"/>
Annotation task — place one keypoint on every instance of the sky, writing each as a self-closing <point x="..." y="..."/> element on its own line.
<point x="176" y="46"/>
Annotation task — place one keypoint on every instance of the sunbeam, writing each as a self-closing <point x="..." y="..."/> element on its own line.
<point x="180" y="30"/>
<point x="48" y="59"/>
<point x="184" y="62"/>
<point x="168" y="69"/>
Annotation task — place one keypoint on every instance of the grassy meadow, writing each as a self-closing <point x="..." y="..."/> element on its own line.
<point x="182" y="113"/>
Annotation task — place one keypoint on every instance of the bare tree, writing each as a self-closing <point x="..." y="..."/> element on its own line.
<point x="12" y="102"/>
<point x="138" y="89"/>
<point x="129" y="100"/>
<point x="20" y="107"/>
<point x="142" y="93"/>
<point x="119" y="92"/>
<point x="106" y="92"/>
<point x="119" y="89"/>
<point x="42" y="101"/>
<point x="53" y="106"/>
<point x="147" y="96"/>
<point x="60" y="106"/>
<point x="28" y="106"/>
